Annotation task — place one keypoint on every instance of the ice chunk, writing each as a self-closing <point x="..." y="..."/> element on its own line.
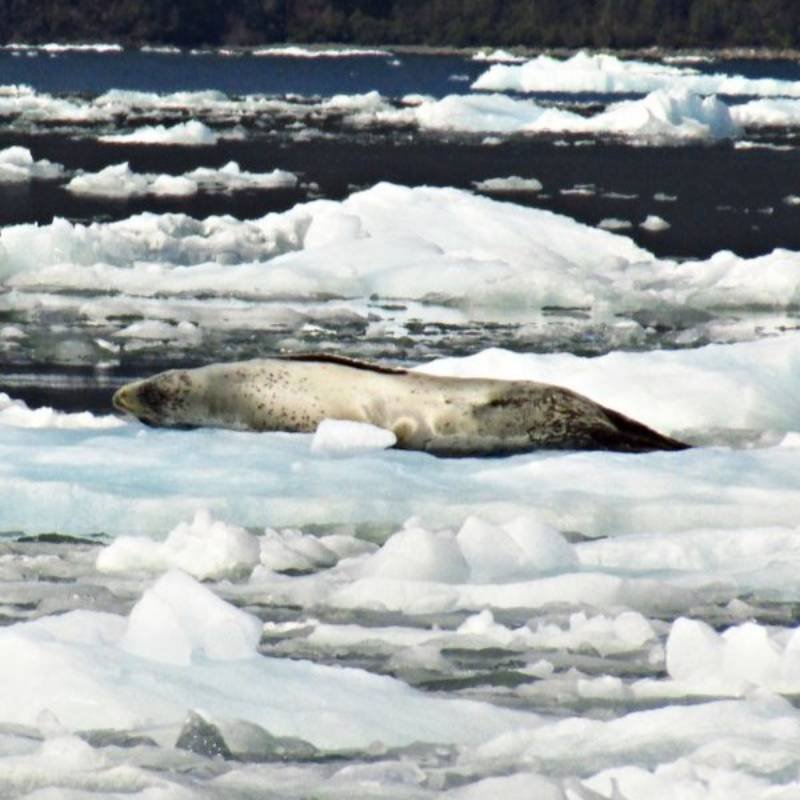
<point x="192" y="132"/>
<point x="513" y="183"/>
<point x="702" y="660"/>
<point x="524" y="547"/>
<point x="172" y="186"/>
<point x="497" y="56"/>
<point x="419" y="555"/>
<point x="654" y="224"/>
<point x="665" y="115"/>
<point x="205" y="548"/>
<point x="119" y="181"/>
<point x="625" y="632"/>
<point x="336" y="436"/>
<point x="231" y="178"/>
<point x="116" y="180"/>
<point x="293" y="551"/>
<point x="18" y="166"/>
<point x="178" y="621"/>
<point x="614" y="224"/>
<point x="16" y="414"/>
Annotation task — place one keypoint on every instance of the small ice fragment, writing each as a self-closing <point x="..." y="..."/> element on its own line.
<point x="654" y="223"/>
<point x="178" y="620"/>
<point x="345" y="436"/>
<point x="514" y="183"/>
<point x="614" y="224"/>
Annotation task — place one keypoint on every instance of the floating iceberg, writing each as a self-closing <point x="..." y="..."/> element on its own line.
<point x="600" y="73"/>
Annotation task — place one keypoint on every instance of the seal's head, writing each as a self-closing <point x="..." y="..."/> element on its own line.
<point x="164" y="399"/>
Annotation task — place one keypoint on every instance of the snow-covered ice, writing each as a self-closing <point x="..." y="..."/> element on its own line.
<point x="601" y="73"/>
<point x="280" y="480"/>
<point x="391" y="241"/>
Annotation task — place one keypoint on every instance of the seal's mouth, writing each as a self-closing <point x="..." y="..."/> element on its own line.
<point x="128" y="403"/>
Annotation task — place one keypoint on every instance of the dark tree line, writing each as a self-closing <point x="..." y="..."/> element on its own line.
<point x="532" y="23"/>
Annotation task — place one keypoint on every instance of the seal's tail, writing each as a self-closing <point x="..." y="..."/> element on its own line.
<point x="626" y="435"/>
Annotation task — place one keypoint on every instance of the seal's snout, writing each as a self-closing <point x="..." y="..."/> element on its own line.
<point x="118" y="400"/>
<point x="124" y="400"/>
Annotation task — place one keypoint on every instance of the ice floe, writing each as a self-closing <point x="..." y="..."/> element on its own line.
<point x="392" y="241"/>
<point x="279" y="481"/>
<point x="293" y="51"/>
<point x="601" y="73"/>
<point x="498" y="56"/>
<point x="205" y="548"/>
<point x="17" y="165"/>
<point x="654" y="224"/>
<point x="513" y="183"/>
<point x="118" y="180"/>
<point x="664" y="115"/>
<point x="67" y="47"/>
<point x="16" y="414"/>
<point x="231" y="177"/>
<point x="192" y="132"/>
<point x="614" y="224"/>
<point x="675" y="112"/>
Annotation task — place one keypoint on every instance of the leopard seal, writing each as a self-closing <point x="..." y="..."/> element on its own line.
<point x="444" y="416"/>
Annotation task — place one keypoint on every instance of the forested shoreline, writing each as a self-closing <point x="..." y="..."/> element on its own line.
<point x="710" y="24"/>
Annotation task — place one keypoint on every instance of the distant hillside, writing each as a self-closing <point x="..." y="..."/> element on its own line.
<point x="457" y="23"/>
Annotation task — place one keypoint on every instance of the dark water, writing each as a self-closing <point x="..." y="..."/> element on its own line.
<point x="393" y="75"/>
<point x="95" y="73"/>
